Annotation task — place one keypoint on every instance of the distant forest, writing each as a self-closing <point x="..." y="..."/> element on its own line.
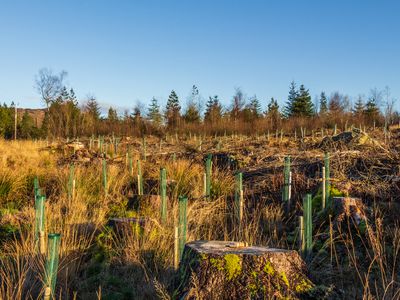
<point x="65" y="117"/>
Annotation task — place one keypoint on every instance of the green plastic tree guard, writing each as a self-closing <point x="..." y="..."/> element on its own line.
<point x="182" y="223"/>
<point x="52" y="265"/>
<point x="105" y="176"/>
<point x="286" y="182"/>
<point x="139" y="178"/>
<point x="307" y="219"/>
<point x="208" y="175"/>
<point x="327" y="180"/>
<point x="36" y="189"/>
<point x="163" y="194"/>
<point x="323" y="204"/>
<point x="40" y="222"/>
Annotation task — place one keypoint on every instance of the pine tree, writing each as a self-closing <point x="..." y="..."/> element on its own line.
<point x="92" y="115"/>
<point x="302" y="105"/>
<point x="209" y="106"/>
<point x="112" y="115"/>
<point x="93" y="108"/>
<point x="254" y="107"/>
<point x="72" y="97"/>
<point x="213" y="110"/>
<point x="27" y="127"/>
<point x="273" y="113"/>
<point x="64" y="95"/>
<point x="172" y="111"/>
<point x="154" y="113"/>
<point x="288" y="109"/>
<point x="323" y="104"/>
<point x="359" y="107"/>
<point x="371" y="109"/>
<point x="6" y="121"/>
<point x="273" y="107"/>
<point x="192" y="114"/>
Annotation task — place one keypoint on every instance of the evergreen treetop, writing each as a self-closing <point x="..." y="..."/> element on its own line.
<point x="154" y="113"/>
<point x="287" y="111"/>
<point x="323" y="103"/>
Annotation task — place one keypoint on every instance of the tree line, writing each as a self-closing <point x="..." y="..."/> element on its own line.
<point x="65" y="117"/>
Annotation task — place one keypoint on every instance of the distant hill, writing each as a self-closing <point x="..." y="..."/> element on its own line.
<point x="37" y="114"/>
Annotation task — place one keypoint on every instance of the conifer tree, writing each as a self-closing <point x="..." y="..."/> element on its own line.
<point x="287" y="110"/>
<point x="6" y="121"/>
<point x="371" y="109"/>
<point x="72" y="97"/>
<point x="209" y="106"/>
<point x="213" y="110"/>
<point x="273" y="107"/>
<point x="154" y="113"/>
<point x="359" y="107"/>
<point x="254" y="107"/>
<point x="172" y="110"/>
<point x="192" y="114"/>
<point x="323" y="104"/>
<point x="302" y="105"/>
<point x="112" y="115"/>
<point x="273" y="113"/>
<point x="27" y="127"/>
<point x="93" y="108"/>
<point x="92" y="117"/>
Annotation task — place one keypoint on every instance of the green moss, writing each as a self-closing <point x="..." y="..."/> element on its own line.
<point x="8" y="231"/>
<point x="233" y="265"/>
<point x="336" y="193"/>
<point x="153" y="234"/>
<point x="131" y="214"/>
<point x="269" y="269"/>
<point x="253" y="289"/>
<point x="317" y="199"/>
<point x="284" y="278"/>
<point x="303" y="286"/>
<point x="217" y="263"/>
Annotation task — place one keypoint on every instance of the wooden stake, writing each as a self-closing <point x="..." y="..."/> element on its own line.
<point x="176" y="248"/>
<point x="323" y="188"/>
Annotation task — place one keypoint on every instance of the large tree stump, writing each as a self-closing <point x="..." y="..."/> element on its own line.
<point x="228" y="270"/>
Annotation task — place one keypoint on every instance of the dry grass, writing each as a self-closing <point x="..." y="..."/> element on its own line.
<point x="97" y="263"/>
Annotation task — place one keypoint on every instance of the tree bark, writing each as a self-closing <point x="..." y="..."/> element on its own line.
<point x="225" y="270"/>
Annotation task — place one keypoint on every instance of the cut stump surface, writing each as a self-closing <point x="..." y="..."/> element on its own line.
<point x="231" y="270"/>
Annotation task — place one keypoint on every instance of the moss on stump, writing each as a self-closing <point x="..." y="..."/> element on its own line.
<point x="219" y="270"/>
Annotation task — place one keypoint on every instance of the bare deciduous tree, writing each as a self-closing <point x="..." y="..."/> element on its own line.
<point x="49" y="85"/>
<point x="238" y="102"/>
<point x="389" y="106"/>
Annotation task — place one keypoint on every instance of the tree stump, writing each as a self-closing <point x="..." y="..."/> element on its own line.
<point x="120" y="225"/>
<point x="232" y="270"/>
<point x="145" y="202"/>
<point x="348" y="207"/>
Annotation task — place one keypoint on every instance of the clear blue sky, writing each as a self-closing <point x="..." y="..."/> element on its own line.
<point x="128" y="51"/>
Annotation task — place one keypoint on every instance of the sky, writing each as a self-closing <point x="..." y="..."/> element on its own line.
<point x="126" y="52"/>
